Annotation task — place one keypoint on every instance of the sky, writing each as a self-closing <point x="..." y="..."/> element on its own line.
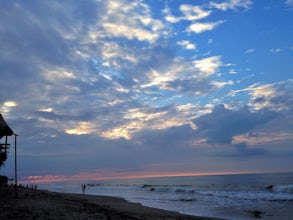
<point x="130" y="88"/>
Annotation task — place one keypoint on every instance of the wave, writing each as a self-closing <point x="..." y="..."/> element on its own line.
<point x="273" y="193"/>
<point x="172" y="189"/>
<point x="281" y="188"/>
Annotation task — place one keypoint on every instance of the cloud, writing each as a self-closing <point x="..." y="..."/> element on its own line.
<point x="252" y="50"/>
<point x="274" y="96"/>
<point x="56" y="152"/>
<point x="263" y="138"/>
<point x="63" y="62"/>
<point x="187" y="45"/>
<point x="208" y="66"/>
<point x="85" y="81"/>
<point x="202" y="27"/>
<point x="220" y="126"/>
<point x="232" y="71"/>
<point x="193" y="12"/>
<point x="277" y="50"/>
<point x="131" y="20"/>
<point x="289" y="2"/>
<point x="243" y="150"/>
<point x="222" y="84"/>
<point x="190" y="13"/>
<point x="105" y="88"/>
<point x="188" y="77"/>
<point x="231" y="4"/>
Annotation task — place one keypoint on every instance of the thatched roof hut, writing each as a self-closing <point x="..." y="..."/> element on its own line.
<point x="5" y="130"/>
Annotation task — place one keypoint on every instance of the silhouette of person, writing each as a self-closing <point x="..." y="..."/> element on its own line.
<point x="83" y="188"/>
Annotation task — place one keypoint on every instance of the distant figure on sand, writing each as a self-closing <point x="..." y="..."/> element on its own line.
<point x="83" y="188"/>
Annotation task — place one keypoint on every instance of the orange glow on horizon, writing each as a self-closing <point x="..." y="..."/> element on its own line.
<point x="112" y="176"/>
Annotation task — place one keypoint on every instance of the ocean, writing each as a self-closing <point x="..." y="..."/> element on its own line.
<point x="237" y="196"/>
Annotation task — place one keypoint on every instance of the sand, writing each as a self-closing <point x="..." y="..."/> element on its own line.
<point x="34" y="204"/>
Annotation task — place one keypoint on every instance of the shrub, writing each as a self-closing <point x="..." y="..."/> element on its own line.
<point x="3" y="180"/>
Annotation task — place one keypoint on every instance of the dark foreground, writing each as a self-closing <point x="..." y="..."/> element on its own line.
<point x="33" y="204"/>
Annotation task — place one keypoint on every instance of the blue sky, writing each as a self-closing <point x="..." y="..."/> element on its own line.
<point x="105" y="89"/>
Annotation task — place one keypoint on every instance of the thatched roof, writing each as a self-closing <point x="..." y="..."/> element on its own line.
<point x="5" y="130"/>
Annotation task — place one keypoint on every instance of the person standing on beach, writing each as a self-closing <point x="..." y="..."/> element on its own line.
<point x="83" y="188"/>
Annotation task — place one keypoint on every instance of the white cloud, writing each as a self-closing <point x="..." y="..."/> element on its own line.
<point x="252" y="50"/>
<point x="7" y="106"/>
<point x="58" y="73"/>
<point x="190" y="13"/>
<point x="193" y="13"/>
<point x="275" y="96"/>
<point x="232" y="71"/>
<point x="222" y="84"/>
<point x="129" y="19"/>
<point x="231" y="4"/>
<point x="131" y="32"/>
<point x="47" y="109"/>
<point x="202" y="27"/>
<point x="183" y="76"/>
<point x="276" y="50"/>
<point x="187" y="45"/>
<point x="10" y="104"/>
<point x="208" y="66"/>
<point x="169" y="17"/>
<point x="82" y="128"/>
<point x="172" y="19"/>
<point x="139" y="119"/>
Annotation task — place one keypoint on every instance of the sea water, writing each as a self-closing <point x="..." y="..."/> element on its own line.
<point x="239" y="197"/>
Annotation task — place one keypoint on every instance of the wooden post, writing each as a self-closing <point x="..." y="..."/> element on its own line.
<point x="15" y="164"/>
<point x="5" y="145"/>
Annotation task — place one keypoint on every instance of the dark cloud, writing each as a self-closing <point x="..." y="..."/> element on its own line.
<point x="222" y="124"/>
<point x="87" y="116"/>
<point x="197" y="85"/>
<point x="168" y="139"/>
<point x="243" y="150"/>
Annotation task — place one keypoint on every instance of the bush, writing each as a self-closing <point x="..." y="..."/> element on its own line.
<point x="3" y="180"/>
<point x="3" y="157"/>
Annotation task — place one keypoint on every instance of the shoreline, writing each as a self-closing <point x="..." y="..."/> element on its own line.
<point x="43" y="204"/>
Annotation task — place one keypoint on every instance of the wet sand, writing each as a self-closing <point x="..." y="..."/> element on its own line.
<point x="32" y="204"/>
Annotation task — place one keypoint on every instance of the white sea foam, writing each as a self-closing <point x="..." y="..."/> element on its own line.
<point x="288" y="189"/>
<point x="231" y="196"/>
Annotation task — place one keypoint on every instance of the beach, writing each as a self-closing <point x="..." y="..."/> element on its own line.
<point x="33" y="204"/>
<point x="238" y="197"/>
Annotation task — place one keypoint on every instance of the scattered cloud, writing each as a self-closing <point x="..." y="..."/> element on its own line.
<point x="202" y="27"/>
<point x="208" y="66"/>
<point x="222" y="84"/>
<point x="187" y="45"/>
<point x="277" y="50"/>
<point x="190" y="13"/>
<point x="92" y="80"/>
<point x="193" y="13"/>
<point x="275" y="96"/>
<point x="289" y="2"/>
<point x="252" y="50"/>
<point x="130" y="20"/>
<point x="232" y="71"/>
<point x="231" y="4"/>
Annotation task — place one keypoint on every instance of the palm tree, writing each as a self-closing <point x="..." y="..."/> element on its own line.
<point x="5" y="131"/>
